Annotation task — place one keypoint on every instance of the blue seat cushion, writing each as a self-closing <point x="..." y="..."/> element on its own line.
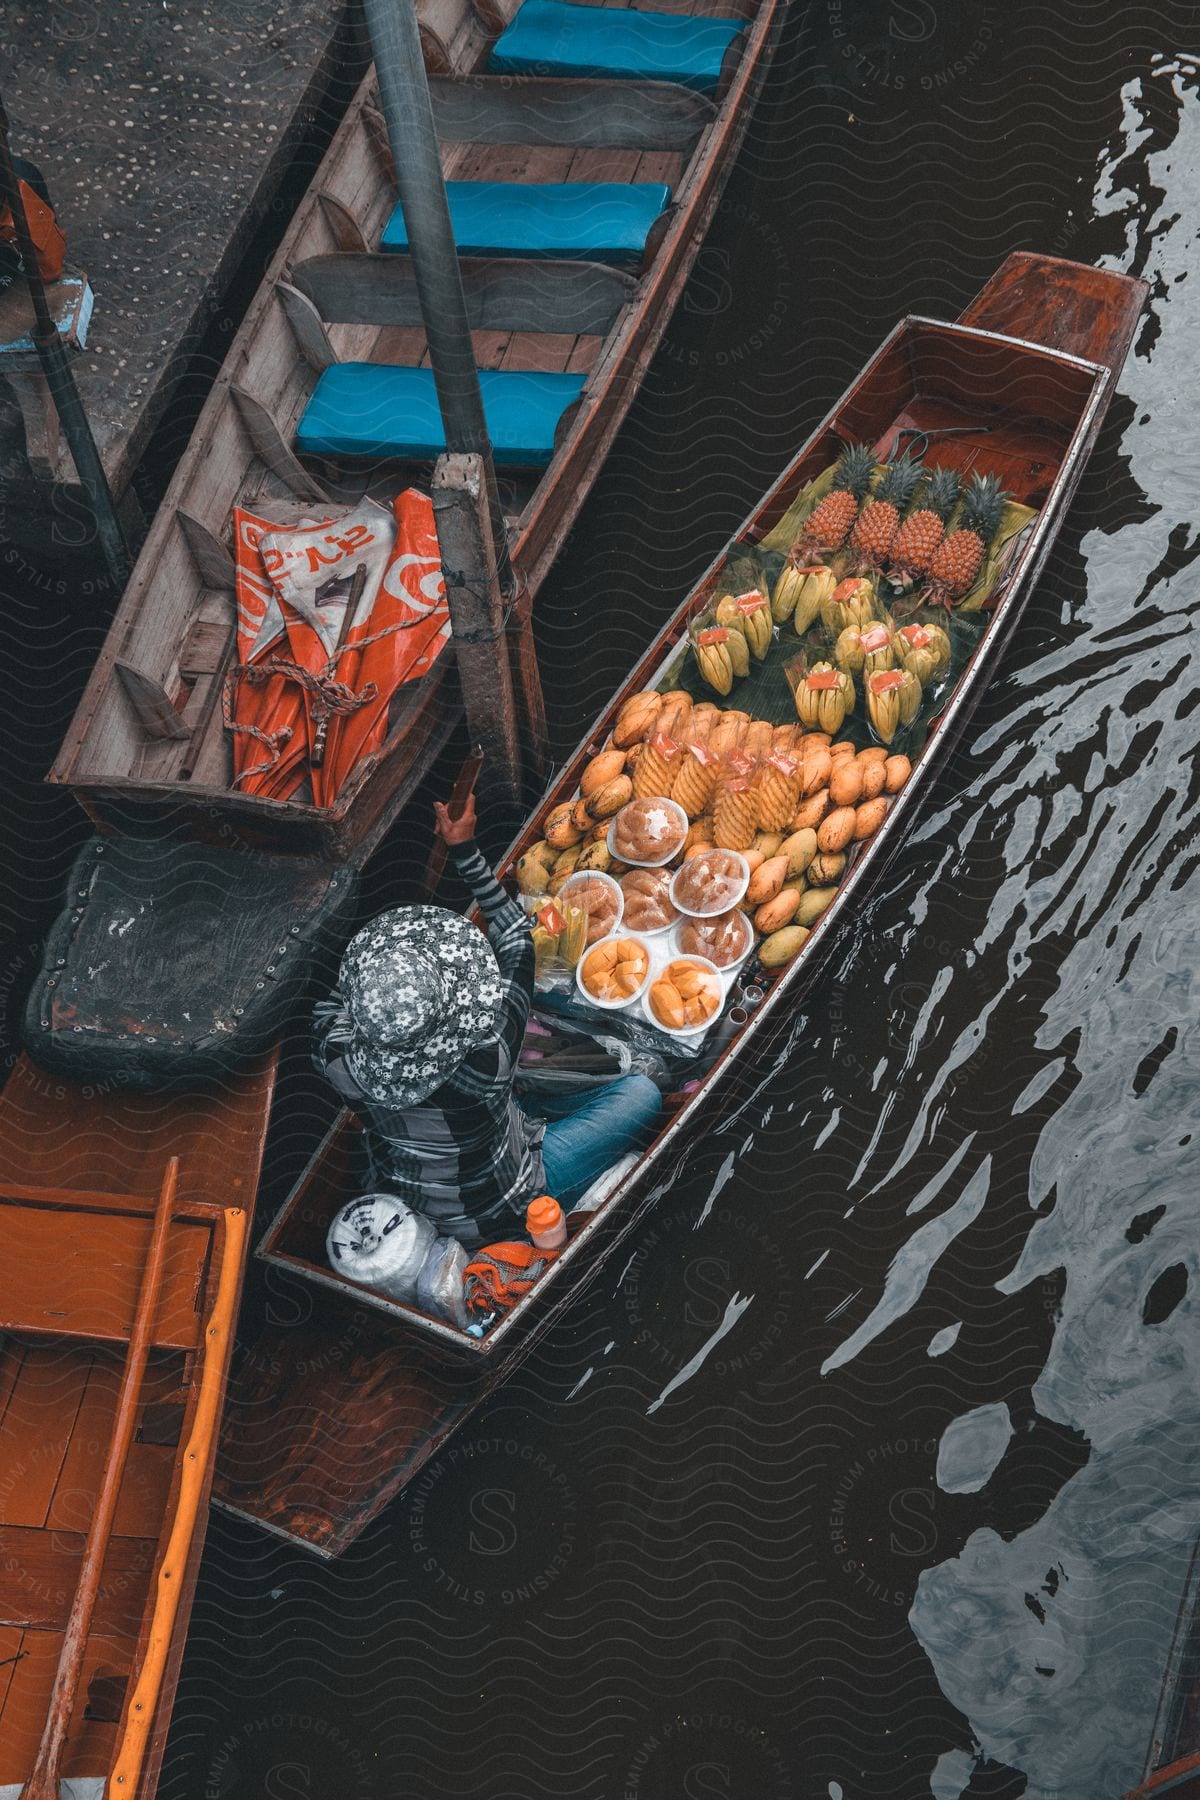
<point x="550" y="37"/>
<point x="605" y="221"/>
<point x="378" y="409"/>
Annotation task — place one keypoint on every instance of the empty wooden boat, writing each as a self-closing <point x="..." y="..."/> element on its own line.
<point x="106" y="1451"/>
<point x="1019" y="387"/>
<point x="585" y="150"/>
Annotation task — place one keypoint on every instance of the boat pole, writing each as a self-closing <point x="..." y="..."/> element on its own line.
<point x="478" y="576"/>
<point x="43" y="1782"/>
<point x="416" y="156"/>
<point x="57" y="371"/>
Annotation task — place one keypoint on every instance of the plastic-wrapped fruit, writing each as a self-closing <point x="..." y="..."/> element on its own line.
<point x="648" y="905"/>
<point x="723" y="940"/>
<point x="600" y="898"/>
<point x="852" y="602"/>
<point x="823" y="696"/>
<point x="893" y="700"/>
<point x="713" y="881"/>
<point x="649" y="830"/>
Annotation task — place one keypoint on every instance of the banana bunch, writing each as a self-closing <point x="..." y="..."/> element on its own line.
<point x="750" y="614"/>
<point x="868" y="651"/>
<point x="924" y="650"/>
<point x="852" y="602"/>
<point x="800" y="594"/>
<point x="721" y="655"/>
<point x="893" y="700"/>
<point x="823" y="698"/>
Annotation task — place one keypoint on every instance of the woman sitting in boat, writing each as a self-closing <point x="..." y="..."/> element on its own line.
<point x="422" y="1039"/>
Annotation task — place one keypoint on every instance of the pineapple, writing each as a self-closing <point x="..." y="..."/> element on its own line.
<point x="921" y="533"/>
<point x="958" y="558"/>
<point x="828" y="525"/>
<point x="879" y="521"/>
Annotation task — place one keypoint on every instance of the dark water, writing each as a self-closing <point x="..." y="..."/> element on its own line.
<point x="871" y="1470"/>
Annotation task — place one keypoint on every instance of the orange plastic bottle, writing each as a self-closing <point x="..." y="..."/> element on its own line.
<point x="546" y="1223"/>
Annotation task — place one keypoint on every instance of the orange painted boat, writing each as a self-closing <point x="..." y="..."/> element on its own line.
<point x="124" y="1225"/>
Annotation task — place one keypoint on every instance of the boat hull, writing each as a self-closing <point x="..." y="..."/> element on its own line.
<point x="283" y="1462"/>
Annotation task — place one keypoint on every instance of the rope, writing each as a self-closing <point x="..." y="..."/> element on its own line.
<point x="330" y="698"/>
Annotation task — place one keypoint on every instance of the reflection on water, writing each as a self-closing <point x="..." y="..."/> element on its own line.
<point x="1053" y="1643"/>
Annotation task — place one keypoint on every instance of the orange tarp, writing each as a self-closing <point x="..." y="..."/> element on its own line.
<point x="292" y="586"/>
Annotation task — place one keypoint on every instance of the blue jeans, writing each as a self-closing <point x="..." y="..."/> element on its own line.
<point x="596" y="1130"/>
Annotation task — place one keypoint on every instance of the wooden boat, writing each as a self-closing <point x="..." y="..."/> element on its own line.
<point x="1022" y="382"/>
<point x="183" y="852"/>
<point x="1173" y="1757"/>
<point x="79" y="1194"/>
<point x="331" y="297"/>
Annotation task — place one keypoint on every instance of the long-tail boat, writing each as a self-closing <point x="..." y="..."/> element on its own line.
<point x="585" y="150"/>
<point x="124" y="1230"/>
<point x="1018" y="387"/>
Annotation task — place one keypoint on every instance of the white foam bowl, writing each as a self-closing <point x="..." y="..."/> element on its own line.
<point x="725" y="969"/>
<point x="729" y="903"/>
<point x="622" y="1005"/>
<point x="653" y="862"/>
<point x="563" y="897"/>
<point x="688" y="1031"/>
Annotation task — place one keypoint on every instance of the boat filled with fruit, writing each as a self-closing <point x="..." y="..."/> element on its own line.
<point x="711" y="829"/>
<point x="702" y="853"/>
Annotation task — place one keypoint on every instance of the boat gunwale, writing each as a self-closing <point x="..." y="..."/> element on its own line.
<point x="215" y="1218"/>
<point x="622" y="356"/>
<point x="795" y="976"/>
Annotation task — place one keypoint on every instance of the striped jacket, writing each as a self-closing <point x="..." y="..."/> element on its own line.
<point x="468" y="1157"/>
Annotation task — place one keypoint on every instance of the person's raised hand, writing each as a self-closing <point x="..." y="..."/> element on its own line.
<point x="455" y="831"/>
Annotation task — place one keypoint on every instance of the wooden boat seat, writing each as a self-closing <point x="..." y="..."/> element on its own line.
<point x="75" y="1273"/>
<point x="373" y="410"/>
<point x="549" y="37"/>
<point x="604" y="221"/>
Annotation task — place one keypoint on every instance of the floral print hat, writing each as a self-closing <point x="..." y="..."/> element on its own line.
<point x="423" y="989"/>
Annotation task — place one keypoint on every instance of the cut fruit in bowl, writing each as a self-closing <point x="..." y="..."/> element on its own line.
<point x="614" y="972"/>
<point x="685" y="997"/>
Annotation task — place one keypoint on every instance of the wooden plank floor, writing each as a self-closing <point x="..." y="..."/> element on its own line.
<point x="59" y="1401"/>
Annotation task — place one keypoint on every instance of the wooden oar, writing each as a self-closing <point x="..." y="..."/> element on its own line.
<point x="460" y="793"/>
<point x="43" y="1783"/>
